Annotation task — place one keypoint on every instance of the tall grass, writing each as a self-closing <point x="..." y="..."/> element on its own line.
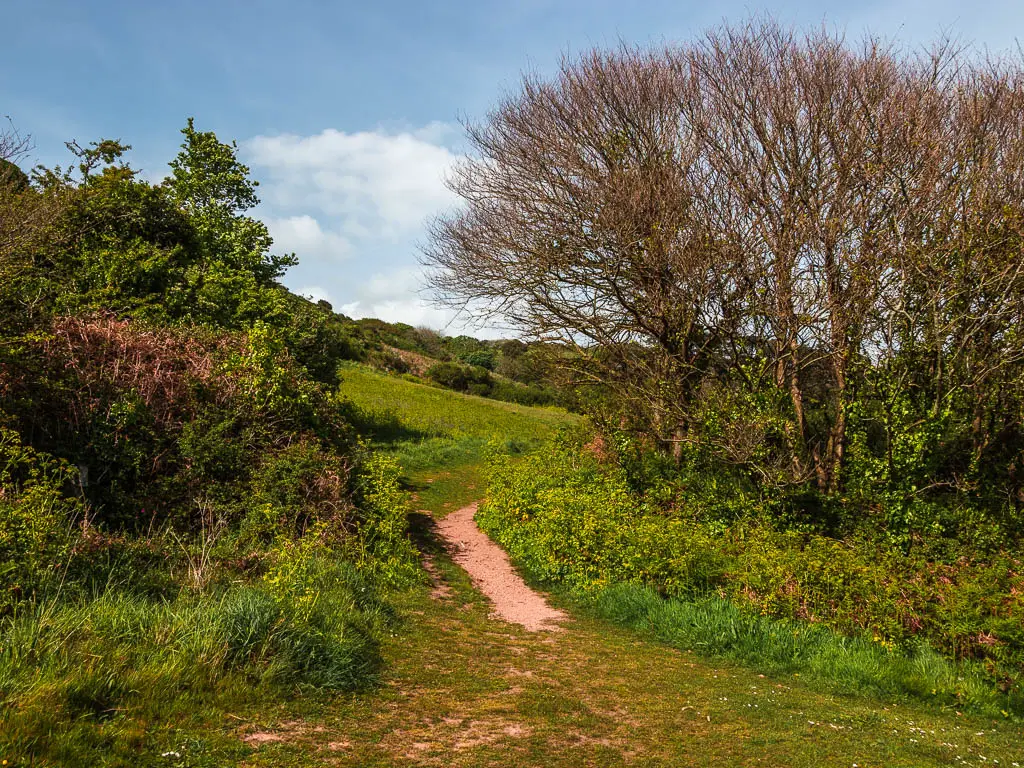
<point x="122" y="658"/>
<point x="715" y="627"/>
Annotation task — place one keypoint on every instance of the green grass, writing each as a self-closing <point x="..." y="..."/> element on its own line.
<point x="716" y="628"/>
<point x="428" y="428"/>
<point x="440" y="437"/>
<point x="91" y="681"/>
<point x="461" y="689"/>
<point x="458" y="688"/>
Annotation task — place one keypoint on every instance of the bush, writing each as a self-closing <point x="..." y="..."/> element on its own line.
<point x="302" y="484"/>
<point x="386" y="360"/>
<point x="165" y="420"/>
<point x="570" y="515"/>
<point x="36" y="519"/>
<point x="385" y="549"/>
<point x="461" y="378"/>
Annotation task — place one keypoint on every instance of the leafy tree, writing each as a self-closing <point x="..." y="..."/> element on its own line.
<point x="235" y="272"/>
<point x="757" y="244"/>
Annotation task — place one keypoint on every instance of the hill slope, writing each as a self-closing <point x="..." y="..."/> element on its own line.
<point x="466" y="690"/>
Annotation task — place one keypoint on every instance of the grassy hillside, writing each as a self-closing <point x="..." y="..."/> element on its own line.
<point x="461" y="689"/>
<point x="401" y="411"/>
<point x="439" y="436"/>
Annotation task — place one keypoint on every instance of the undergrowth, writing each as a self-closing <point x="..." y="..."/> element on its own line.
<point x="847" y="613"/>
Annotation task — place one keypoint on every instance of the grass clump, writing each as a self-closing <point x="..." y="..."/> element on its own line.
<point x="71" y="670"/>
<point x="715" y="627"/>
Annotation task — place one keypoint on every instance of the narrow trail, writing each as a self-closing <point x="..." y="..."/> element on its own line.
<point x="491" y="572"/>
<point x="464" y="690"/>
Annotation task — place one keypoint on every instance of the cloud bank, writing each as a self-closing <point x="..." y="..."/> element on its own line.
<point x="352" y="207"/>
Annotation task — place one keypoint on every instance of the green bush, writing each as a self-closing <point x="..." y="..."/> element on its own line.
<point x="571" y="515"/>
<point x="461" y="378"/>
<point x="385" y="549"/>
<point x="37" y="519"/>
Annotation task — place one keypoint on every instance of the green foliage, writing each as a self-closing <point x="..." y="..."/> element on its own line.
<point x="569" y="520"/>
<point x="214" y="189"/>
<point x="319" y="339"/>
<point x="386" y="550"/>
<point x="461" y="378"/>
<point x="36" y="519"/>
<point x="178" y="252"/>
<point x="572" y="515"/>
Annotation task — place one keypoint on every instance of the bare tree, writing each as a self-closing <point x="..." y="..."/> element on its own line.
<point x="758" y="209"/>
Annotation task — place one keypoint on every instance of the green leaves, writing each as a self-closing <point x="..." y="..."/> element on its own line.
<point x="214" y="189"/>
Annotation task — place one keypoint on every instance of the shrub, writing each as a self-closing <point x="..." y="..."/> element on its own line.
<point x="385" y="549"/>
<point x="387" y="360"/>
<point x="164" y="418"/>
<point x="301" y="484"/>
<point x="572" y="515"/>
<point x="461" y="378"/>
<point x="36" y="518"/>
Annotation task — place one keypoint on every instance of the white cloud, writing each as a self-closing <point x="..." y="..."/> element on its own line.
<point x="364" y="197"/>
<point x="374" y="183"/>
<point x="396" y="296"/>
<point x="304" y="236"/>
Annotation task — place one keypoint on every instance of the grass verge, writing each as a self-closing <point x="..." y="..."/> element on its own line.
<point x="94" y="682"/>
<point x="716" y="628"/>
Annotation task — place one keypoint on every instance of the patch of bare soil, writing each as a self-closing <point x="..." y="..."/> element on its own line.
<point x="492" y="573"/>
<point x="436" y="742"/>
<point x="287" y="731"/>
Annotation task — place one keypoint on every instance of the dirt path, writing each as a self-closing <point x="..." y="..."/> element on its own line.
<point x="461" y="690"/>
<point x="492" y="573"/>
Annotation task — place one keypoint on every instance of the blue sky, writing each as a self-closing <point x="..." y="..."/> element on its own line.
<point x="348" y="112"/>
